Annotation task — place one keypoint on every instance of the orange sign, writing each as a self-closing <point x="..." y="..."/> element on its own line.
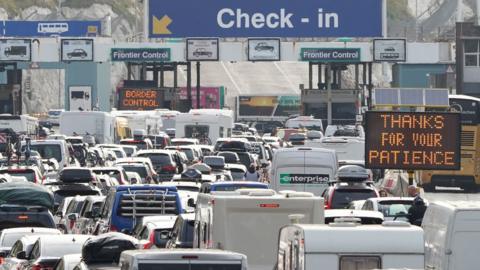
<point x="139" y="99"/>
<point x="412" y="140"/>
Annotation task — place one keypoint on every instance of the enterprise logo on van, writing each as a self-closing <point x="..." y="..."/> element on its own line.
<point x="287" y="179"/>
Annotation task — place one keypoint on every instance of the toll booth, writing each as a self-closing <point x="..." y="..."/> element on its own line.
<point x="328" y="99"/>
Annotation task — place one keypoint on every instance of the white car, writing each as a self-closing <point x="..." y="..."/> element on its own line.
<point x="391" y="207"/>
<point x="8" y="237"/>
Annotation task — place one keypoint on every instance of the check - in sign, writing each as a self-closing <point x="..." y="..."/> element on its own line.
<point x="265" y="18"/>
<point x="140" y="55"/>
<point x="344" y="55"/>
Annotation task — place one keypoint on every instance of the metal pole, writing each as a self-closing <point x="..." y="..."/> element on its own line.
<point x="310" y="75"/>
<point x="370" y="85"/>
<point x="329" y="93"/>
<point x="189" y="84"/>
<point x="198" y="84"/>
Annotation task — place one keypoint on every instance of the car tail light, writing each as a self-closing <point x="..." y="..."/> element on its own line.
<point x="41" y="267"/>
<point x="2" y="260"/>
<point x="151" y="240"/>
<point x="43" y="179"/>
<point x="72" y="223"/>
<point x="169" y="168"/>
<point x="113" y="228"/>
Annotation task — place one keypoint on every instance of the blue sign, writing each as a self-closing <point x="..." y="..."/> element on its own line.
<point x="265" y="18"/>
<point x="51" y="28"/>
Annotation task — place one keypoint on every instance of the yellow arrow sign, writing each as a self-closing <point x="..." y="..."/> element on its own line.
<point x="160" y="26"/>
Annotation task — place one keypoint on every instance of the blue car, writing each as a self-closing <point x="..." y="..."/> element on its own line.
<point x="126" y="204"/>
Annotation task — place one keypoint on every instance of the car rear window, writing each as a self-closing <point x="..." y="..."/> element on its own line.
<point x="158" y="159"/>
<point x="26" y="219"/>
<point x="342" y="197"/>
<point x="185" y="266"/>
<point x="48" y="151"/>
<point x="59" y="195"/>
<point x="28" y="174"/>
<point x="141" y="170"/>
<point x="161" y="237"/>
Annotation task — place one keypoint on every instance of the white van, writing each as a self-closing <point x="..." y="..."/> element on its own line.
<point x="345" y="246"/>
<point x="100" y="125"/>
<point x="182" y="259"/>
<point x="308" y="122"/>
<point x="303" y="169"/>
<point x="48" y="149"/>
<point x="247" y="221"/>
<point x="204" y="123"/>
<point x="347" y="148"/>
<point x="452" y="235"/>
<point x="23" y="124"/>
<point x="144" y="120"/>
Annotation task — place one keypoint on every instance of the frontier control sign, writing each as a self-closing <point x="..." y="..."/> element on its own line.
<point x="141" y="55"/>
<point x="412" y="141"/>
<point x="265" y="18"/>
<point x="344" y="55"/>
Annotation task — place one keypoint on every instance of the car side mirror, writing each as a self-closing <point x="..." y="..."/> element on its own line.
<point x="22" y="255"/>
<point x="72" y="217"/>
<point x="191" y="203"/>
<point x="3" y="253"/>
<point x="265" y="165"/>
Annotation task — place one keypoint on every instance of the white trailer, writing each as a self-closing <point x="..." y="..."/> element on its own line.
<point x="347" y="148"/>
<point x="100" y="125"/>
<point x="345" y="246"/>
<point x="168" y="118"/>
<point x="142" y="120"/>
<point x="23" y="124"/>
<point x="248" y="221"/>
<point x="204" y="123"/>
<point x="303" y="169"/>
<point x="452" y="235"/>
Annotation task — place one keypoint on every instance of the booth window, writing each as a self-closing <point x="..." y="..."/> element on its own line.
<point x="472" y="52"/>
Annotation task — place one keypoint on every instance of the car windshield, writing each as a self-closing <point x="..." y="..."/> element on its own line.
<point x="342" y="197"/>
<point x="394" y="208"/>
<point x="48" y="151"/>
<point x="141" y="170"/>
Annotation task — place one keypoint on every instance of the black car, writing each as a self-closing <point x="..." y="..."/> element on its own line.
<point x="12" y="216"/>
<point x="182" y="232"/>
<point x="77" y="53"/>
<point x="263" y="46"/>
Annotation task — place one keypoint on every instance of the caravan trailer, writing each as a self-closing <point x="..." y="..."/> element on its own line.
<point x="247" y="221"/>
<point x="142" y="120"/>
<point x="207" y="125"/>
<point x="23" y="124"/>
<point x="100" y="125"/>
<point x="346" y="245"/>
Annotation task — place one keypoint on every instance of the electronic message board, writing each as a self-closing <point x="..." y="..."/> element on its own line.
<point x="140" y="99"/>
<point x="412" y="141"/>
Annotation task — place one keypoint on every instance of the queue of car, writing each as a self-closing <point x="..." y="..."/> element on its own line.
<point x="155" y="202"/>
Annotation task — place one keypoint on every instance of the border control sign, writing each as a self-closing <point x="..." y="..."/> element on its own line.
<point x="412" y="141"/>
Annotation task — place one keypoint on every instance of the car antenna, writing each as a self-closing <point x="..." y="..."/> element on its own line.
<point x="32" y="231"/>
<point x="73" y="239"/>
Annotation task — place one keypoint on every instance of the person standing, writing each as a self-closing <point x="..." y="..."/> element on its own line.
<point x="252" y="174"/>
<point x="417" y="211"/>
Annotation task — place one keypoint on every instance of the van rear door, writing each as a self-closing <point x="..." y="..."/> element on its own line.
<point x="465" y="241"/>
<point x="310" y="171"/>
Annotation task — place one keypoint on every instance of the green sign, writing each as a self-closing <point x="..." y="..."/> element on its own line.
<point x="141" y="55"/>
<point x="292" y="179"/>
<point x="343" y="55"/>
